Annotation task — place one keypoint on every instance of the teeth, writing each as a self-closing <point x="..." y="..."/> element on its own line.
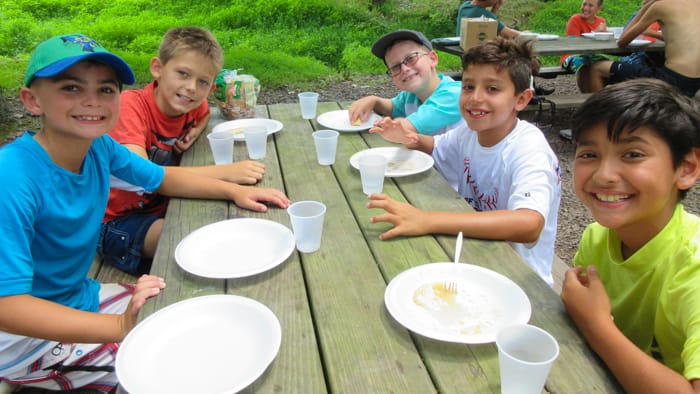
<point x="478" y="113"/>
<point x="611" y="198"/>
<point x="85" y="117"/>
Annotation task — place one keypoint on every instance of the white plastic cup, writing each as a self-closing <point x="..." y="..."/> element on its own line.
<point x="372" y="168"/>
<point x="525" y="356"/>
<point x="256" y="141"/>
<point x="221" y="144"/>
<point x="307" y="224"/>
<point x="326" y="142"/>
<point x="308" y="102"/>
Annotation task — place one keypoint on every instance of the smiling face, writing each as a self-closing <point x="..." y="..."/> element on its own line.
<point x="489" y="103"/>
<point x="184" y="82"/>
<point x="82" y="102"/>
<point x="419" y="78"/>
<point x="630" y="185"/>
<point x="589" y="9"/>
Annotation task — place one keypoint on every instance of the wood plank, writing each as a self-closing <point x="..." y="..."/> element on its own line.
<point x="361" y="348"/>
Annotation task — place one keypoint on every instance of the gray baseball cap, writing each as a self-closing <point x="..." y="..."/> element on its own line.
<point x="380" y="47"/>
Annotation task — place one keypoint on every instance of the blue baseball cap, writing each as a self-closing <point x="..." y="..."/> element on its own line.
<point x="59" y="53"/>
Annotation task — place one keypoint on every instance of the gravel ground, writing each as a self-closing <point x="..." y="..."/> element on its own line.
<point x="573" y="217"/>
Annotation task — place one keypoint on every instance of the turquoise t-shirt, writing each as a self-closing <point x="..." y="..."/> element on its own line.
<point x="50" y="218"/>
<point x="439" y="113"/>
<point x="655" y="293"/>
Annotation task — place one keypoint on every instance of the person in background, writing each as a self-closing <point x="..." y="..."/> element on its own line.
<point x="427" y="103"/>
<point x="587" y="21"/>
<point x="477" y="9"/>
<point x="647" y="58"/>
<point x="681" y="69"/>
<point x="502" y="166"/>
<point x="159" y="122"/>
<point x="633" y="292"/>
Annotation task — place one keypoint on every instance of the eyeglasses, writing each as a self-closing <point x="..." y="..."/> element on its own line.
<point x="409" y="61"/>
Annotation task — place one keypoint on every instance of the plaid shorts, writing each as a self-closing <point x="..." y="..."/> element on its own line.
<point x="68" y="366"/>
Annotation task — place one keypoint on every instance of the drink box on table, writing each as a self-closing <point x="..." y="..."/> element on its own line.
<point x="477" y="30"/>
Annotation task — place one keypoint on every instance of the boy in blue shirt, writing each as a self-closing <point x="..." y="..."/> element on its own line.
<point x="427" y="103"/>
<point x="634" y="292"/>
<point x="59" y="329"/>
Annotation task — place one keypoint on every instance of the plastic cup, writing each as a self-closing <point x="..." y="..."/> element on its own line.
<point x="372" y="168"/>
<point x="221" y="144"/>
<point x="307" y="224"/>
<point x="256" y="141"/>
<point x="326" y="142"/>
<point x="525" y="356"/>
<point x="307" y="102"/>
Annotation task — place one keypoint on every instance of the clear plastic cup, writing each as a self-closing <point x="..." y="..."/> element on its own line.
<point x="307" y="103"/>
<point x="221" y="144"/>
<point x="256" y="141"/>
<point x="326" y="142"/>
<point x="372" y="168"/>
<point x="525" y="356"/>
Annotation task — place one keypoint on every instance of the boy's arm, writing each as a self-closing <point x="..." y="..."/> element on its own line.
<point x="190" y="138"/>
<point x="28" y="316"/>
<point x="181" y="182"/>
<point x="520" y="225"/>
<point x="395" y="130"/>
<point x="644" y="18"/>
<point x="588" y="305"/>
<point x="246" y="172"/>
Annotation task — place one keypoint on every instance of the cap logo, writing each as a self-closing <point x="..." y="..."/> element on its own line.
<point x="88" y="44"/>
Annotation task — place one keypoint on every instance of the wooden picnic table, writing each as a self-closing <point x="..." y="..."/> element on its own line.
<point x="569" y="45"/>
<point x="337" y="335"/>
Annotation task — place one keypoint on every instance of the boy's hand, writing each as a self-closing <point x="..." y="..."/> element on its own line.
<point x="249" y="197"/>
<point x="585" y="298"/>
<point x="394" y="131"/>
<point x="186" y="141"/>
<point x="407" y="219"/>
<point x="147" y="286"/>
<point x="247" y="172"/>
<point x="360" y="110"/>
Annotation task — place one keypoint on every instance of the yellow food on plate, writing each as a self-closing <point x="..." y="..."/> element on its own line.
<point x="236" y="130"/>
<point x="357" y="122"/>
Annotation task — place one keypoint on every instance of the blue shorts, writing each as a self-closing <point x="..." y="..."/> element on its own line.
<point x="623" y="71"/>
<point x="121" y="242"/>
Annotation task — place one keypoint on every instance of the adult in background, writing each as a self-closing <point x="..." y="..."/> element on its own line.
<point x="678" y="19"/>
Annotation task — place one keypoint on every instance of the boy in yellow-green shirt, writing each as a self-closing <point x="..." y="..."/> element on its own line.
<point x="634" y="292"/>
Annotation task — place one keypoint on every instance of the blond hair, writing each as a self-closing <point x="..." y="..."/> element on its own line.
<point x="180" y="39"/>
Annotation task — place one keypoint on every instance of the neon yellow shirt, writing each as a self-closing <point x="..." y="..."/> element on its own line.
<point x="655" y="294"/>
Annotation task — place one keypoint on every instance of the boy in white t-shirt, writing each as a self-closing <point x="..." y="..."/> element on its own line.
<point x="502" y="166"/>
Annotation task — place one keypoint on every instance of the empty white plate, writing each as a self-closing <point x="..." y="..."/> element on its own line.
<point x="234" y="126"/>
<point x="639" y="43"/>
<point x="209" y="344"/>
<point x="235" y="248"/>
<point x="400" y="161"/>
<point x="484" y="302"/>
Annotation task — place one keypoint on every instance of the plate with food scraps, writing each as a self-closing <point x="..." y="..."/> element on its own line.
<point x="208" y="344"/>
<point x="400" y="161"/>
<point x="340" y="120"/>
<point x="235" y="248"/>
<point x="484" y="301"/>
<point x="235" y="127"/>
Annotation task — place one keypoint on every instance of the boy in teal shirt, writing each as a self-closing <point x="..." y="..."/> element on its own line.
<point x="634" y="290"/>
<point x="427" y="103"/>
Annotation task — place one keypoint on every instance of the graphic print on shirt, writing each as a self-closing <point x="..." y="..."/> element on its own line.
<point x="480" y="200"/>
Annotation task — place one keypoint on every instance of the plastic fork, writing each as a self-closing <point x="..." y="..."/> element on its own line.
<point x="450" y="286"/>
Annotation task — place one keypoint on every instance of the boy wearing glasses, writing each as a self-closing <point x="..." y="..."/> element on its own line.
<point x="502" y="166"/>
<point x="427" y="103"/>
